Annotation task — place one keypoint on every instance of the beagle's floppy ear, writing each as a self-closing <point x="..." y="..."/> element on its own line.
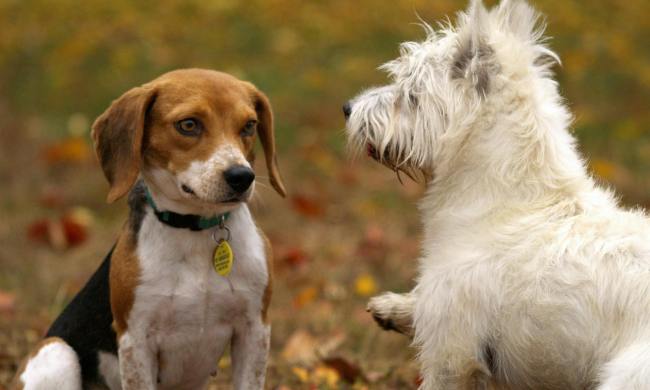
<point x="266" y="134"/>
<point x="118" y="137"/>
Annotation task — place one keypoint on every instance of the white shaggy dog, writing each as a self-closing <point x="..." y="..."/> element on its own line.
<point x="531" y="275"/>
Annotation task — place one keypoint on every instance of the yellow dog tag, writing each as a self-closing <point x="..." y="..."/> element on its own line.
<point x="222" y="258"/>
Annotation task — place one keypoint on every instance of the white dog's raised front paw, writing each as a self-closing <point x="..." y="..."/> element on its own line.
<point x="393" y="312"/>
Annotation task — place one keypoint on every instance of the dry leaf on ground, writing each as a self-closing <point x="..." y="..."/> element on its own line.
<point x="69" y="150"/>
<point x="349" y="372"/>
<point x="300" y="348"/>
<point x="305" y="296"/>
<point x="306" y="206"/>
<point x="7" y="302"/>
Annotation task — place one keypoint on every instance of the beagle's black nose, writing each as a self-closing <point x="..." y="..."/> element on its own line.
<point x="347" y="110"/>
<point x="239" y="178"/>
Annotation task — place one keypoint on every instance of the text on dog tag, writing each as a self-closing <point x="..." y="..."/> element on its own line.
<point x="222" y="258"/>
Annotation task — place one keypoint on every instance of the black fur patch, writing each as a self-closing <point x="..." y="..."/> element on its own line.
<point x="86" y="323"/>
<point x="413" y="100"/>
<point x="489" y="355"/>
<point x="137" y="208"/>
<point x="484" y="56"/>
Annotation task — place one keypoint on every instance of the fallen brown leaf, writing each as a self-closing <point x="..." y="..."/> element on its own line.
<point x="7" y="302"/>
<point x="349" y="372"/>
<point x="307" y="206"/>
<point x="70" y="150"/>
<point x="68" y="231"/>
<point x="300" y="348"/>
<point x="305" y="296"/>
<point x="295" y="257"/>
<point x="75" y="232"/>
<point x="325" y="375"/>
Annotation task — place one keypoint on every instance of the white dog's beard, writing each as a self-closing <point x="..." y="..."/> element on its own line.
<point x="389" y="162"/>
<point x="376" y="131"/>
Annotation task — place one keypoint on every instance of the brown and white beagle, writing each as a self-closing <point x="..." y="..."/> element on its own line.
<point x="190" y="271"/>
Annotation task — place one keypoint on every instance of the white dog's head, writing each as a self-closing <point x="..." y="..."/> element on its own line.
<point x="452" y="84"/>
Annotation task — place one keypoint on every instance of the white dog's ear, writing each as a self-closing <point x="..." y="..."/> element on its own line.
<point x="520" y="19"/>
<point x="526" y="24"/>
<point x="474" y="60"/>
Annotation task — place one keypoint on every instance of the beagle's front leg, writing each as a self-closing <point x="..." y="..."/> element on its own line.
<point x="250" y="351"/>
<point x="138" y="363"/>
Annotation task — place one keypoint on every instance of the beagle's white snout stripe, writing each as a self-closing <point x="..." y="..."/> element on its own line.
<point x="206" y="178"/>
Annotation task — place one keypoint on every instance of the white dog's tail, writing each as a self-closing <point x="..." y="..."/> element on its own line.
<point x="629" y="370"/>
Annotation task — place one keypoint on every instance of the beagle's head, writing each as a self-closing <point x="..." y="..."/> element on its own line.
<point x="190" y="134"/>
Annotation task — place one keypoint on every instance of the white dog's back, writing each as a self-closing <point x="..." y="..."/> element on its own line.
<point x="557" y="294"/>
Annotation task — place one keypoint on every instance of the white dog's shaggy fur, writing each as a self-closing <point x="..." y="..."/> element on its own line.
<point x="531" y="275"/>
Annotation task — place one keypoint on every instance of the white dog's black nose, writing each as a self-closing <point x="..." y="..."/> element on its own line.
<point x="239" y="178"/>
<point x="347" y="110"/>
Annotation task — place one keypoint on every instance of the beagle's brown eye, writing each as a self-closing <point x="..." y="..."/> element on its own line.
<point x="249" y="128"/>
<point x="189" y="126"/>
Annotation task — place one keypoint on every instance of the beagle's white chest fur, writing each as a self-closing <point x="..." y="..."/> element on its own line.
<point x="184" y="313"/>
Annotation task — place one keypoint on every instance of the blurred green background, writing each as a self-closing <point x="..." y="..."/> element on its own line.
<point x="347" y="229"/>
